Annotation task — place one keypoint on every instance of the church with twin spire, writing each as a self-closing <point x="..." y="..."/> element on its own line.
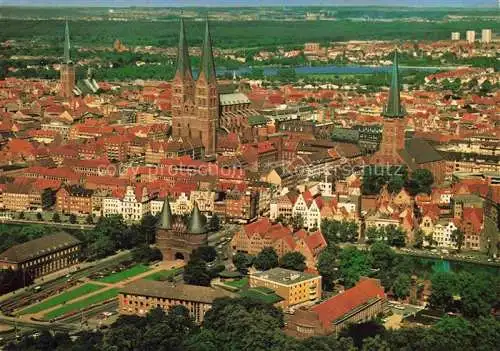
<point x="195" y="104"/>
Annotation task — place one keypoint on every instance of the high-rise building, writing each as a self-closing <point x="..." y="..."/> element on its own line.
<point x="67" y="72"/>
<point x="195" y="105"/>
<point x="393" y="135"/>
<point x="455" y="36"/>
<point x="486" y="35"/>
<point x="470" y="36"/>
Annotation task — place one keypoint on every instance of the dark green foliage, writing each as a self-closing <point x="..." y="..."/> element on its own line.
<point x="392" y="235"/>
<point x="196" y="272"/>
<point x="339" y="232"/>
<point x="266" y="259"/>
<point x="420" y="181"/>
<point x="375" y="177"/>
<point x="241" y="262"/>
<point x="361" y="331"/>
<point x="206" y="253"/>
<point x="56" y="217"/>
<point x="328" y="267"/>
<point x="353" y="265"/>
<point x="72" y="218"/>
<point x="12" y="280"/>
<point x="146" y="254"/>
<point x="293" y="260"/>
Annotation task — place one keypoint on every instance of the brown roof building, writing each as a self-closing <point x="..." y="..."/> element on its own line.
<point x="139" y="297"/>
<point x="42" y="256"/>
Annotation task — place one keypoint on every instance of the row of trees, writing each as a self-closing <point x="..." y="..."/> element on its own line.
<point x="267" y="259"/>
<point x="244" y="324"/>
<point x="396" y="178"/>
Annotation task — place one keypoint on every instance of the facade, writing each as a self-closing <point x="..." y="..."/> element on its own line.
<point x="135" y="203"/>
<point x="363" y="302"/>
<point x="455" y="36"/>
<point x="393" y="135"/>
<point x="175" y="239"/>
<point x="74" y="199"/>
<point x="42" y="256"/>
<point x="470" y="35"/>
<point x="486" y="35"/>
<point x="67" y="71"/>
<point x="195" y="105"/>
<point x="139" y="297"/>
<point x="296" y="288"/>
<point x="262" y="233"/>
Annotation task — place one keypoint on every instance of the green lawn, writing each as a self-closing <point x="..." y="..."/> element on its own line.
<point x="240" y="283"/>
<point x="164" y="274"/>
<point x="261" y="294"/>
<point x="128" y="273"/>
<point x="62" y="298"/>
<point x="78" y="305"/>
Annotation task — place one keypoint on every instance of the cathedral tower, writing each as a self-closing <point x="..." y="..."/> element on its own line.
<point x="182" y="90"/>
<point x="67" y="71"/>
<point x="393" y="135"/>
<point x="207" y="96"/>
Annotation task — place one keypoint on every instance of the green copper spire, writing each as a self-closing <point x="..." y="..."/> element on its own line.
<point x="197" y="221"/>
<point x="67" y="45"/>
<point x="393" y="107"/>
<point x="207" y="57"/>
<point x="166" y="216"/>
<point x="183" y="62"/>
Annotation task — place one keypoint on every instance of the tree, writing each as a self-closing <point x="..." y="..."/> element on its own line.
<point x="241" y="262"/>
<point x="443" y="288"/>
<point x="297" y="222"/>
<point x="21" y="215"/>
<point x="420" y="182"/>
<point x="39" y="216"/>
<point x="206" y="253"/>
<point x="328" y="267"/>
<point x="401" y="286"/>
<point x="266" y="259"/>
<point x="339" y="232"/>
<point x="418" y="238"/>
<point x="214" y="223"/>
<point x="458" y="237"/>
<point x="89" y="219"/>
<point x="293" y="260"/>
<point x="146" y="254"/>
<point x="353" y="264"/>
<point x="48" y="198"/>
<point x="56" y="218"/>
<point x="196" y="273"/>
<point x="147" y="228"/>
<point x="395" y="236"/>
<point x="72" y="218"/>
<point x="372" y="234"/>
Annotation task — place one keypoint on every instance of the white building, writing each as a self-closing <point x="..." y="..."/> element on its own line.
<point x="470" y="35"/>
<point x="455" y="35"/>
<point x="136" y="202"/>
<point x="309" y="209"/>
<point x="442" y="233"/>
<point x="486" y="35"/>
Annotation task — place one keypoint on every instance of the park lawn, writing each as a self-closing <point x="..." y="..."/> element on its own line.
<point x="164" y="274"/>
<point x="240" y="283"/>
<point x="78" y="305"/>
<point x="128" y="273"/>
<point x="63" y="298"/>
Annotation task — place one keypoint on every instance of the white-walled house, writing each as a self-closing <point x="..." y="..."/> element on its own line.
<point x="134" y="204"/>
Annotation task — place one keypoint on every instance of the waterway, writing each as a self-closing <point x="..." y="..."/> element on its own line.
<point x="328" y="69"/>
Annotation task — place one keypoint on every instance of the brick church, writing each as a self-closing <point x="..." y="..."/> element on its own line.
<point x="393" y="135"/>
<point x="195" y="104"/>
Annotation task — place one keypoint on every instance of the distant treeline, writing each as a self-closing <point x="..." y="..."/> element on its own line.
<point x="237" y="34"/>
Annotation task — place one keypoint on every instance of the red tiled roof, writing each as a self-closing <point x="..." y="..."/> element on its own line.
<point x="337" y="306"/>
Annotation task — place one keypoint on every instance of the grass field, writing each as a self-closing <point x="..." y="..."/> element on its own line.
<point x="163" y="275"/>
<point x="62" y="298"/>
<point x="240" y="283"/>
<point x="78" y="305"/>
<point x="128" y="273"/>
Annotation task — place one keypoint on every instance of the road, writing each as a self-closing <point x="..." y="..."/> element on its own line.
<point x="14" y="300"/>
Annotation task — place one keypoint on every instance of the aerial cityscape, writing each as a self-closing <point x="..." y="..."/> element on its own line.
<point x="249" y="175"/>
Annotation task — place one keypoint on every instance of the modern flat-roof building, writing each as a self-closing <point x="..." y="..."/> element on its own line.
<point x="42" y="256"/>
<point x="296" y="288"/>
<point x="470" y="35"/>
<point x="486" y="35"/>
<point x="139" y="297"/>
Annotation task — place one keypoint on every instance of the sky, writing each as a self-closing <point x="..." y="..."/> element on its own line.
<point x="229" y="3"/>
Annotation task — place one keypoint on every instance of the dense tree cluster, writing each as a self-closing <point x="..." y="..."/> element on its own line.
<point x="196" y="271"/>
<point x="245" y="324"/>
<point x="392" y="235"/>
<point x="339" y="232"/>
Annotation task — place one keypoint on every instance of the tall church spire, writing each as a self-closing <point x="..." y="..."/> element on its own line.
<point x="67" y="46"/>
<point x="393" y="107"/>
<point x="207" y="67"/>
<point x="197" y="221"/>
<point x="183" y="62"/>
